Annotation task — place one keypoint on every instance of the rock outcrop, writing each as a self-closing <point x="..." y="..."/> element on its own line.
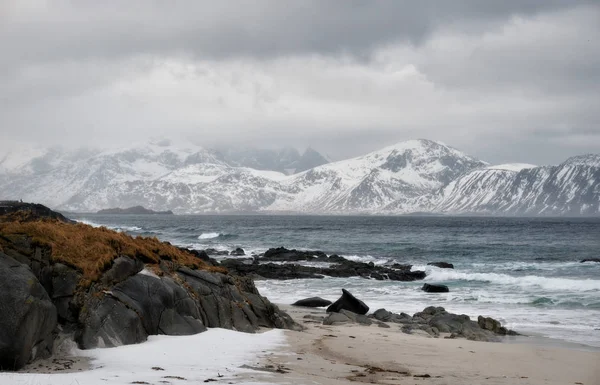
<point x="28" y="316"/>
<point x="337" y="267"/>
<point x="126" y="290"/>
<point x="433" y="321"/>
<point x="348" y="302"/>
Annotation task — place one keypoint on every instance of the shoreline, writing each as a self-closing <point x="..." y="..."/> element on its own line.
<point x="350" y="353"/>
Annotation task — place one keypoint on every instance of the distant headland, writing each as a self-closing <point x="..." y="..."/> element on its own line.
<point x="137" y="210"/>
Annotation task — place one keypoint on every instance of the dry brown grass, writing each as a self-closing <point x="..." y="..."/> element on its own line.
<point x="91" y="250"/>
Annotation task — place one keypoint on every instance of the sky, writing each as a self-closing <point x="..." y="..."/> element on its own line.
<point x="505" y="81"/>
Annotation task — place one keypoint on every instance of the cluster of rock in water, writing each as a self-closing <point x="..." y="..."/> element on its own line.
<point x="431" y="322"/>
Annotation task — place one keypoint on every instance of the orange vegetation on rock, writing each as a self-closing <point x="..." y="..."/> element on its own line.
<point x="92" y="250"/>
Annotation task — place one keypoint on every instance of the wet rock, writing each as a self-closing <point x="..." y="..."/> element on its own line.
<point x="284" y="255"/>
<point x="312" y="302"/>
<point x="348" y="302"/>
<point x="211" y="251"/>
<point x="342" y="268"/>
<point x="430" y="288"/>
<point x="442" y="265"/>
<point x="590" y="260"/>
<point x="237" y="252"/>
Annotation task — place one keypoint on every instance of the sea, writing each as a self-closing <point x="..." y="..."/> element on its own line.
<point x="525" y="272"/>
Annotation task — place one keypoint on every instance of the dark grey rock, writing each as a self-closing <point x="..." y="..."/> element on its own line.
<point x="336" y="319"/>
<point x="442" y="265"/>
<point x="382" y="315"/>
<point x="348" y="302"/>
<point x="430" y="288"/>
<point x="312" y="302"/>
<point x="237" y="252"/>
<point x="61" y="284"/>
<point x="28" y="316"/>
<point x="121" y="269"/>
<point x="107" y="322"/>
<point x="153" y="298"/>
<point x="590" y="260"/>
<point x="357" y="318"/>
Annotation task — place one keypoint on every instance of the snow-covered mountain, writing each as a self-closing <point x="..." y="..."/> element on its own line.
<point x="371" y="182"/>
<point x="571" y="188"/>
<point x="413" y="176"/>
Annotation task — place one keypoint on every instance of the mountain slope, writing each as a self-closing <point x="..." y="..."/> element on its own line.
<point x="413" y="176"/>
<point x="370" y="182"/>
<point x="571" y="188"/>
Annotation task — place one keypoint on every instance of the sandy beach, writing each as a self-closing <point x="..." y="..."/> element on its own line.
<point x="353" y="353"/>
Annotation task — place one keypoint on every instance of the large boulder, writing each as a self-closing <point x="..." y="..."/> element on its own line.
<point x="312" y="302"/>
<point x="348" y="302"/>
<point x="158" y="305"/>
<point x="430" y="288"/>
<point x="28" y="316"/>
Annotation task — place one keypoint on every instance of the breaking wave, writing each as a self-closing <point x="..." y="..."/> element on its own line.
<point x="546" y="283"/>
<point x="216" y="235"/>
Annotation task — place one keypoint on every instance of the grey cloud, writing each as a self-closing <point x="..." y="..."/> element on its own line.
<point x="503" y="80"/>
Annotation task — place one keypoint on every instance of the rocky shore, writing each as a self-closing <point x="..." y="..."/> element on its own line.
<point x="282" y="263"/>
<point x="64" y="283"/>
<point x="101" y="288"/>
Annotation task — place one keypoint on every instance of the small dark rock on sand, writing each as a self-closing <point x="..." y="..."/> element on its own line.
<point x="312" y="302"/>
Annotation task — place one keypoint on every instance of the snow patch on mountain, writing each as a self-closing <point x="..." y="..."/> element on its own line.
<point x="516" y="167"/>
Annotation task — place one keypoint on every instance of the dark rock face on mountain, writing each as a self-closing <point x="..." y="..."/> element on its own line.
<point x="161" y="290"/>
<point x="348" y="302"/>
<point x="135" y="210"/>
<point x="338" y="267"/>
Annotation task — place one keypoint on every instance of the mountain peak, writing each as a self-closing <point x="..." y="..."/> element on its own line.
<point x="592" y="160"/>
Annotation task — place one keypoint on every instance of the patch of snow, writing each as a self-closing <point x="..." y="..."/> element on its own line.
<point x="516" y="167"/>
<point x="147" y="272"/>
<point x="194" y="358"/>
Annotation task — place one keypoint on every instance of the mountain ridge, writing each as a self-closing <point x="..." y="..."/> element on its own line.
<point x="419" y="175"/>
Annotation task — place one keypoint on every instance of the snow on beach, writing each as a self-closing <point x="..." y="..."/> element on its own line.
<point x="195" y="358"/>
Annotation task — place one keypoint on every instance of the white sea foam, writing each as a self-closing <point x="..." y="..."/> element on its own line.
<point x="367" y="259"/>
<point x="546" y="283"/>
<point x="88" y="222"/>
<point x="209" y="235"/>
<point x="195" y="358"/>
<point x="119" y="228"/>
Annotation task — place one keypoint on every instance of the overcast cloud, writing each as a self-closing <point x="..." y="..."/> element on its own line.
<point x="512" y="80"/>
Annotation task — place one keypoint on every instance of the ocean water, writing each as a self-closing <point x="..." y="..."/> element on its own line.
<point x="523" y="271"/>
